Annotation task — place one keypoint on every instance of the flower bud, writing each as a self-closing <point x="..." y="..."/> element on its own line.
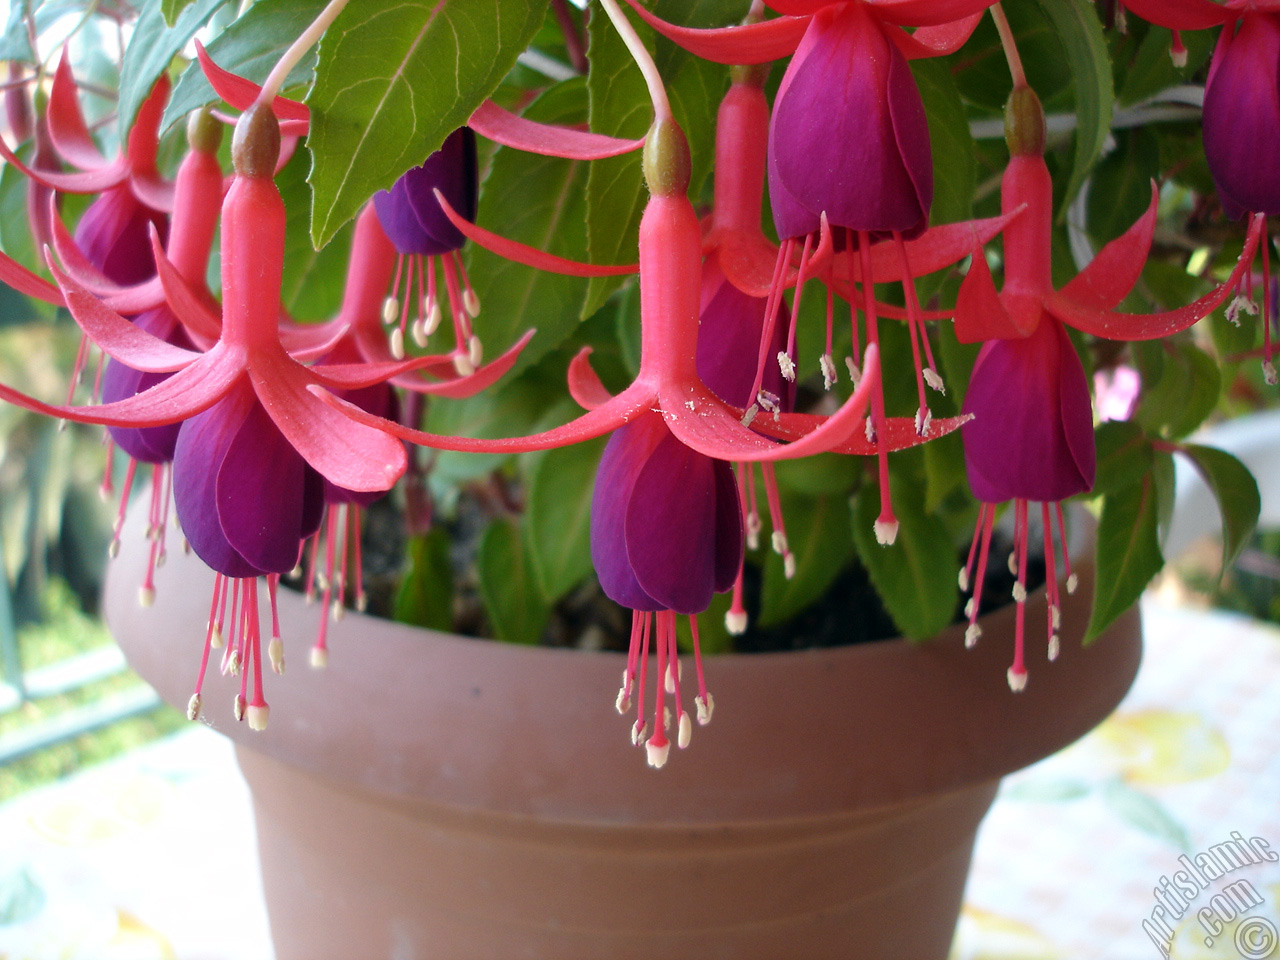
<point x="204" y="133"/>
<point x="255" y="146"/>
<point x="1024" y="129"/>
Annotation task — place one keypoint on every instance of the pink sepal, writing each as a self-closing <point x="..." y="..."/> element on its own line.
<point x="241" y="93"/>
<point x="502" y="126"/>
<point x="584" y="384"/>
<point x="457" y="388"/>
<point x="1188" y="14"/>
<point x="752" y="43"/>
<point x="1111" y="274"/>
<point x="935" y="41"/>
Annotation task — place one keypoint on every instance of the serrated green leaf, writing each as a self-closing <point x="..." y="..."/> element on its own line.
<point x="249" y="47"/>
<point x="424" y="66"/>
<point x="1236" y="491"/>
<point x="1124" y="455"/>
<point x="558" y="516"/>
<point x="916" y="575"/>
<point x="508" y="586"/>
<point x="818" y="533"/>
<point x="539" y="201"/>
<point x="1079" y="32"/>
<point x="955" y="169"/>
<point x="1128" y="552"/>
<point x="426" y="592"/>
<point x="313" y="281"/>
<point x="151" y="49"/>
<point x="1146" y="813"/>
<point x="172" y="8"/>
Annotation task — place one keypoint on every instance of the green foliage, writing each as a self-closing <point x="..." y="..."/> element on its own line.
<point x="1128" y="551"/>
<point x="558" y="523"/>
<point x="152" y="47"/>
<point x="818" y="529"/>
<point x="1236" y="491"/>
<point x="364" y="135"/>
<point x="517" y="609"/>
<point x="425" y="598"/>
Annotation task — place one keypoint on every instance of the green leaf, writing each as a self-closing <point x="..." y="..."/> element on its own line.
<point x="249" y="47"/>
<point x="1124" y="455"/>
<point x="819" y="534"/>
<point x="916" y="575"/>
<point x="423" y="68"/>
<point x="558" y="519"/>
<point x="955" y="168"/>
<point x="172" y="8"/>
<point x="517" y="610"/>
<point x="1146" y="813"/>
<point x="539" y="201"/>
<point x="1120" y="189"/>
<point x="426" y="592"/>
<point x="1079" y="32"/>
<point x="824" y="473"/>
<point x="151" y="49"/>
<point x="1128" y="552"/>
<point x="1236" y="491"/>
<point x="313" y="279"/>
<point x="1182" y="387"/>
<point x="14" y="42"/>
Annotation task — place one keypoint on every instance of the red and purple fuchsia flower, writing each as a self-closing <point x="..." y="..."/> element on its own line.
<point x="1241" y="120"/>
<point x="1030" y="439"/>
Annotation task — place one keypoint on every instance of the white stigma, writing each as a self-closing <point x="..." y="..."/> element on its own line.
<point x="787" y="366"/>
<point x="319" y="658"/>
<point x="1055" y="615"/>
<point x="1055" y="647"/>
<point x="216" y="640"/>
<point x="971" y="635"/>
<point x="1019" y="592"/>
<point x="886" y="532"/>
<point x="238" y="707"/>
<point x="258" y="717"/>
<point x="275" y="653"/>
<point x="735" y="621"/>
<point x="686" y="731"/>
<point x="828" y="371"/>
<point x="1072" y="582"/>
<point x="753" y="531"/>
<point x="963" y="579"/>
<point x="657" y="753"/>
<point x="193" y="707"/>
<point x="854" y="373"/>
<point x="146" y="596"/>
<point x="390" y="310"/>
<point x="1237" y="304"/>
<point x="1179" y="57"/>
<point x="669" y="682"/>
<point x="705" y="709"/>
<point x="471" y="303"/>
<point x="933" y="380"/>
<point x="397" y="343"/>
<point x="1017" y="681"/>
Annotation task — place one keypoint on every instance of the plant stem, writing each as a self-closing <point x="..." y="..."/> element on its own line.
<point x="573" y="44"/>
<point x="305" y="42"/>
<point x="1010" y="46"/>
<point x="640" y="53"/>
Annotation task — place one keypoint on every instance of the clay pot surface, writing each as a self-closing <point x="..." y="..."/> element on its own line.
<point x="435" y="796"/>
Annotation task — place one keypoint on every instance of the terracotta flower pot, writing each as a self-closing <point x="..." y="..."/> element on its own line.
<point x="438" y="796"/>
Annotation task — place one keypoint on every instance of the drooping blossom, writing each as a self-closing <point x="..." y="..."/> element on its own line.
<point x="1031" y="436"/>
<point x="1241" y="119"/>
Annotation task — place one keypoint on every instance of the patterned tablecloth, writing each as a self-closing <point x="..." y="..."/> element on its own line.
<point x="1153" y="836"/>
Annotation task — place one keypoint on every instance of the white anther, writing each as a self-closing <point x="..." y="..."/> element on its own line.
<point x="1017" y="680"/>
<point x="623" y="703"/>
<point x="1239" y="303"/>
<point x="275" y="653"/>
<point x="855" y="374"/>
<point x="1269" y="373"/>
<point x="768" y="401"/>
<point x="433" y="316"/>
<point x="193" y="707"/>
<point x="705" y="709"/>
<point x="462" y="364"/>
<point x="686" y="731"/>
<point x="753" y="531"/>
<point x="1055" y="646"/>
<point x="886" y="532"/>
<point x="963" y="579"/>
<point x="828" y="371"/>
<point x="1012" y="564"/>
<point x="319" y="658"/>
<point x="233" y="663"/>
<point x="934" y="381"/>
<point x="1019" y="592"/>
<point x="475" y="350"/>
<point x="735" y="621"/>
<point x="669" y="682"/>
<point x="870" y="430"/>
<point x="216" y="639"/>
<point x="787" y="366"/>
<point x="397" y="343"/>
<point x="337" y="611"/>
<point x="146" y="596"/>
<point x="749" y="414"/>
<point x="362" y="602"/>
<point x="238" y="707"/>
<point x="666" y="718"/>
<point x="639" y="732"/>
<point x="779" y="542"/>
<point x="471" y="303"/>
<point x="390" y="310"/>
<point x="969" y="606"/>
<point x="1055" y="616"/>
<point x="924" y="419"/>
<point x="789" y="565"/>
<point x="113" y="549"/>
<point x="1179" y="57"/>
<point x="258" y="717"/>
<point x="971" y="635"/>
<point x="418" y="330"/>
<point x="1072" y="582"/>
<point x="657" y="753"/>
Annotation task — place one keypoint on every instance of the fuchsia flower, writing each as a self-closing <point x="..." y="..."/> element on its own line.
<point x="1241" y="115"/>
<point x="1031" y="436"/>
